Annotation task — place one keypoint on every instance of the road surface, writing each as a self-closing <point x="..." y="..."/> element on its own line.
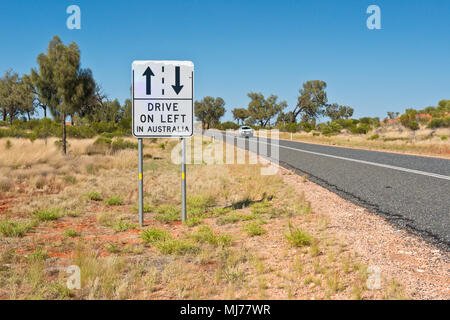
<point x="412" y="192"/>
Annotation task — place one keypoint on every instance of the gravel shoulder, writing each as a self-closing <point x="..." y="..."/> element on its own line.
<point x="421" y="267"/>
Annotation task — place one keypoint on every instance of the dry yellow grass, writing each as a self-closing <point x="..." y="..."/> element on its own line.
<point x="407" y="141"/>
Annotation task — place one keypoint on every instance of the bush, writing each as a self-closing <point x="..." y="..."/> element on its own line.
<point x="120" y="144"/>
<point x="439" y="123"/>
<point x="14" y="229"/>
<point x="94" y="196"/>
<point x="362" y="128"/>
<point x="47" y="215"/>
<point x="290" y="127"/>
<point x="113" y="201"/>
<point x="332" y="129"/>
<point x="167" y="214"/>
<point x="70" y="233"/>
<point x="229" y="125"/>
<point x="374" y="137"/>
<point x="154" y="235"/>
<point x="205" y="234"/>
<point x="297" y="237"/>
<point x="254" y="228"/>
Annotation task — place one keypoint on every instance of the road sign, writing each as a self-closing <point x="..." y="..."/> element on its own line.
<point x="163" y="99"/>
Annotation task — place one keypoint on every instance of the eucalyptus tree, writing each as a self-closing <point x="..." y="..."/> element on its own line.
<point x="312" y="101"/>
<point x="209" y="111"/>
<point x="262" y="110"/>
<point x="61" y="84"/>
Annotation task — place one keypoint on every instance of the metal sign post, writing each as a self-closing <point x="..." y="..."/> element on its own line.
<point x="141" y="184"/>
<point x="183" y="180"/>
<point x="163" y="107"/>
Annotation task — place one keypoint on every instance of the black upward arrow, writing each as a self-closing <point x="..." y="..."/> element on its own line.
<point x="148" y="74"/>
<point x="177" y="87"/>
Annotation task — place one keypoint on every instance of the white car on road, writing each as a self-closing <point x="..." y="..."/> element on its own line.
<point x="246" y="132"/>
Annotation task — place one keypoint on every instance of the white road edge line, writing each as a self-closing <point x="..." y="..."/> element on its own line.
<point x="429" y="174"/>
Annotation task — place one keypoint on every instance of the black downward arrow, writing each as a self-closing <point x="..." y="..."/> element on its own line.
<point x="148" y="74"/>
<point x="177" y="88"/>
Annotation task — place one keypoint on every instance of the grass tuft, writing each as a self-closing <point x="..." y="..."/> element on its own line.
<point x="205" y="234"/>
<point x="47" y="215"/>
<point x="297" y="237"/>
<point x="113" y="201"/>
<point x="254" y="228"/>
<point x="15" y="229"/>
<point x="70" y="233"/>
<point x="94" y="196"/>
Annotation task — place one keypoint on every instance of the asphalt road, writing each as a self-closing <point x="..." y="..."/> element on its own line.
<point x="412" y="192"/>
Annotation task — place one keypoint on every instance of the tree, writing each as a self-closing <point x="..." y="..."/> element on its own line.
<point x="312" y="101"/>
<point x="393" y="115"/>
<point x="209" y="111"/>
<point x="335" y="111"/>
<point x="127" y="109"/>
<point x="15" y="96"/>
<point x="409" y="119"/>
<point x="28" y="97"/>
<point x="61" y="84"/>
<point x="240" y="114"/>
<point x="263" y="110"/>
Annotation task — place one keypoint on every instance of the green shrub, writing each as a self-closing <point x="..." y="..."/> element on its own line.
<point x="167" y="214"/>
<point x="193" y="221"/>
<point x="15" y="229"/>
<point x="121" y="226"/>
<point x="120" y="144"/>
<point x="439" y="123"/>
<point x="205" y="234"/>
<point x="94" y="196"/>
<point x="229" y="125"/>
<point x="297" y="237"/>
<point x="112" y="248"/>
<point x="374" y="137"/>
<point x="47" y="215"/>
<point x="444" y="137"/>
<point x="362" y="128"/>
<point x="146" y="208"/>
<point x="254" y="228"/>
<point x="70" y="233"/>
<point x="154" y="235"/>
<point x="174" y="246"/>
<point x="102" y="140"/>
<point x="261" y="207"/>
<point x="114" y="201"/>
<point x="234" y="217"/>
<point x="8" y="144"/>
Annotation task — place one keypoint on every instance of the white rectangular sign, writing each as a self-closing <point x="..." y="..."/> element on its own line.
<point x="163" y="99"/>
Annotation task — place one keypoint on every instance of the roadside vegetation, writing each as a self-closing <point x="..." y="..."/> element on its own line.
<point x="247" y="236"/>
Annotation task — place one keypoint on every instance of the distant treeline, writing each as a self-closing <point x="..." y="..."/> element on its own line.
<point x="60" y="86"/>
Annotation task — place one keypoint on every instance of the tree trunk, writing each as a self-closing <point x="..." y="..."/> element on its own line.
<point x="63" y="116"/>
<point x="45" y="111"/>
<point x="4" y="116"/>
<point x="28" y="114"/>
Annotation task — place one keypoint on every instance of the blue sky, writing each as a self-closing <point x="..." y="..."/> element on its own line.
<point x="243" y="45"/>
